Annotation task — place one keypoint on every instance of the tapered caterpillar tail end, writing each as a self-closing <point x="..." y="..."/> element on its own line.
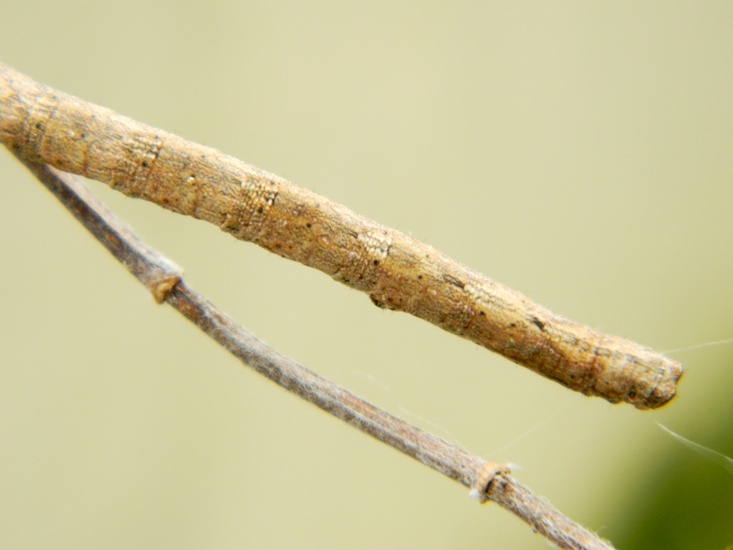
<point x="603" y="365"/>
<point x="644" y="378"/>
<point x="663" y="390"/>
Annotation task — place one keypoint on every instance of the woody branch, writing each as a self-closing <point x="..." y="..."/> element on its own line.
<point x="487" y="481"/>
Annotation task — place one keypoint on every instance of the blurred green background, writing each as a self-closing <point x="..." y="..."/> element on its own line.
<point x="578" y="151"/>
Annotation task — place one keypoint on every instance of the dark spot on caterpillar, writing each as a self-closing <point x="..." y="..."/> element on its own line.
<point x="260" y="210"/>
<point x="376" y="262"/>
<point x="540" y="325"/>
<point x="377" y="302"/>
<point x="452" y="280"/>
<point x="482" y="314"/>
<point x="419" y="277"/>
<point x="309" y="225"/>
<point x="382" y="302"/>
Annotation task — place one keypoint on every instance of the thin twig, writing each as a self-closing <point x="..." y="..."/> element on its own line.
<point x="487" y="480"/>
<point x="397" y="271"/>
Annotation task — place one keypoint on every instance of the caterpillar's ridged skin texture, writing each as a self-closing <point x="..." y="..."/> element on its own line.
<point x="395" y="270"/>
